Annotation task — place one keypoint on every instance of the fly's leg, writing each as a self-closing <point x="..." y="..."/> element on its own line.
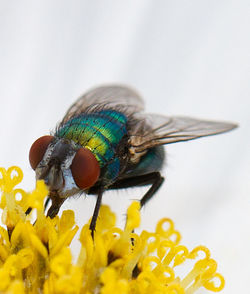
<point x="157" y="180"/>
<point x="28" y="211"/>
<point x="154" y="179"/>
<point x="55" y="206"/>
<point x="46" y="203"/>
<point x="96" y="212"/>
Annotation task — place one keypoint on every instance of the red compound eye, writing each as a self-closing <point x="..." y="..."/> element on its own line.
<point x="38" y="149"/>
<point x="85" y="168"/>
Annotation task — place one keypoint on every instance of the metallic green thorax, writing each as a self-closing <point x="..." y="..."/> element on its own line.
<point x="100" y="132"/>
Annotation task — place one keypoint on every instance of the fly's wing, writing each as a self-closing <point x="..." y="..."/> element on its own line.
<point x="153" y="130"/>
<point x="107" y="97"/>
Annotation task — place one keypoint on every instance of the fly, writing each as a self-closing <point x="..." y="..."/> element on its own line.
<point x="106" y="141"/>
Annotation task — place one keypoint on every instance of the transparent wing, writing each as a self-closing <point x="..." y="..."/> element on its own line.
<point x="153" y="130"/>
<point x="109" y="96"/>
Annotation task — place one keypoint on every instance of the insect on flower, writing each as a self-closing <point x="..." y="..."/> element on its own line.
<point x="106" y="141"/>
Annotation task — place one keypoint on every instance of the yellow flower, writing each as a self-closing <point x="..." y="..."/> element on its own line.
<point x="35" y="257"/>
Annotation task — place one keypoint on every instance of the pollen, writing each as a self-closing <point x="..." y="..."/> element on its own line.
<point x="35" y="257"/>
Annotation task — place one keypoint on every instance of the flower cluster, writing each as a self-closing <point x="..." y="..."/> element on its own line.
<point x="35" y="257"/>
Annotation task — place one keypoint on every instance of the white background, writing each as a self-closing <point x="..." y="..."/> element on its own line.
<point x="184" y="57"/>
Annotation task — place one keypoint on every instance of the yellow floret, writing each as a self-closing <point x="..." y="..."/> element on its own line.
<point x="35" y="257"/>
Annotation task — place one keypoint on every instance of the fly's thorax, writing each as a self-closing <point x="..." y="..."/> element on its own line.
<point x="102" y="132"/>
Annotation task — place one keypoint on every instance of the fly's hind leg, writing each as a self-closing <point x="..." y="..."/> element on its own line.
<point x="154" y="179"/>
<point x="157" y="181"/>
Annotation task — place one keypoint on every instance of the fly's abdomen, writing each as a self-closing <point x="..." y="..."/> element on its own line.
<point x="151" y="162"/>
<point x="100" y="132"/>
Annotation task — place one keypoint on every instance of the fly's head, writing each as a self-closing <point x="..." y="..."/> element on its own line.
<point x="65" y="167"/>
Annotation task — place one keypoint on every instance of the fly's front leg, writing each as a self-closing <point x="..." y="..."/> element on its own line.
<point x="46" y="203"/>
<point x="53" y="210"/>
<point x="55" y="206"/>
